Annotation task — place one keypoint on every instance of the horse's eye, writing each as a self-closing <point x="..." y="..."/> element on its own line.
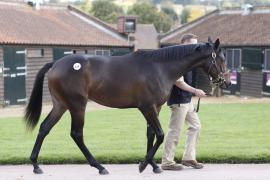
<point x="198" y="48"/>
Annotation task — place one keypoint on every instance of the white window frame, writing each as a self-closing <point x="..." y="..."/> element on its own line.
<point x="91" y="52"/>
<point x="35" y="53"/>
<point x="80" y="51"/>
<point x="102" y="51"/>
<point x="99" y="50"/>
<point x="240" y="62"/>
<point x="106" y="50"/>
<point x="265" y="60"/>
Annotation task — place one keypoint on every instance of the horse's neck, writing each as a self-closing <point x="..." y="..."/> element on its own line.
<point x="176" y="69"/>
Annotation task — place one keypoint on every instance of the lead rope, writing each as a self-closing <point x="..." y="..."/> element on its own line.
<point x="212" y="62"/>
<point x="199" y="102"/>
<point x="198" y="105"/>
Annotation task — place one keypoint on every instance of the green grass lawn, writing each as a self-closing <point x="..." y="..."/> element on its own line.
<point x="231" y="133"/>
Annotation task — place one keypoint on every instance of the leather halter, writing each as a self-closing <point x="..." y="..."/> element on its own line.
<point x="220" y="77"/>
<point x="218" y="81"/>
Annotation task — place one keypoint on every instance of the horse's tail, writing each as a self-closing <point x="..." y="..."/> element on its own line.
<point x="33" y="109"/>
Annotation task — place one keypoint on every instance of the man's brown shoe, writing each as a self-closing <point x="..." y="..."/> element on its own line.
<point x="173" y="167"/>
<point x="192" y="163"/>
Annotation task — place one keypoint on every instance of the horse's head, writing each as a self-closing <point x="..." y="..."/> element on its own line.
<point x="215" y="64"/>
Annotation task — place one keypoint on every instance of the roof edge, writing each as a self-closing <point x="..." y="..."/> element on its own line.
<point x="163" y="37"/>
<point x="226" y="45"/>
<point x="24" y="4"/>
<point x="62" y="45"/>
<point x="96" y="20"/>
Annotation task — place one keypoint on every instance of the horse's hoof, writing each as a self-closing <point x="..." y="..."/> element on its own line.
<point x="103" y="172"/>
<point x="142" y="166"/>
<point x="38" y="170"/>
<point x="157" y="170"/>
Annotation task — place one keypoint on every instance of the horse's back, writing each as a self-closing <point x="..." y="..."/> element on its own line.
<point x="121" y="81"/>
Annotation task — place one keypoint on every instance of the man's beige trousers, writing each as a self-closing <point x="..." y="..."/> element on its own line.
<point x="181" y="113"/>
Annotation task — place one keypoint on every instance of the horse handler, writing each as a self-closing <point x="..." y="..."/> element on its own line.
<point x="182" y="110"/>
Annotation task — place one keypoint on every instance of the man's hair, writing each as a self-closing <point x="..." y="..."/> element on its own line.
<point x="187" y="37"/>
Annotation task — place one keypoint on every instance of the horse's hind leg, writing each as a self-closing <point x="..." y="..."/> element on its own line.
<point x="77" y="116"/>
<point x="45" y="127"/>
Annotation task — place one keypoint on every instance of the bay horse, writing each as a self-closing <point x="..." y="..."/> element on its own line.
<point x="142" y="79"/>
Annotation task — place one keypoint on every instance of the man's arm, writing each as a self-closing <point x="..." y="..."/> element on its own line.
<point x="184" y="86"/>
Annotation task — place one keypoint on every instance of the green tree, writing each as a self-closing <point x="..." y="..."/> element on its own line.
<point x="170" y="12"/>
<point x="184" y="2"/>
<point x="54" y="1"/>
<point x="85" y="5"/>
<point x="106" y="10"/>
<point x="239" y="3"/>
<point x="185" y="15"/>
<point x="147" y="13"/>
<point x="163" y="22"/>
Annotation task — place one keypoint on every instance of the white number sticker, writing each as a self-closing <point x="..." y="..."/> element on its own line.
<point x="77" y="66"/>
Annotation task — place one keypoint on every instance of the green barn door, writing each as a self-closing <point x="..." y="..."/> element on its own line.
<point x="119" y="52"/>
<point x="14" y="76"/>
<point x="58" y="53"/>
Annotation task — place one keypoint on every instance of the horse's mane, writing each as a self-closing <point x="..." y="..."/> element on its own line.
<point x="169" y="53"/>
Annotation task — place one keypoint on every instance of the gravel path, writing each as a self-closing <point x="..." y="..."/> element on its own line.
<point x="130" y="172"/>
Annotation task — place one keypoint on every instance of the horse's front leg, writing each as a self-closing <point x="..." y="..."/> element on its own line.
<point x="151" y="116"/>
<point x="150" y="141"/>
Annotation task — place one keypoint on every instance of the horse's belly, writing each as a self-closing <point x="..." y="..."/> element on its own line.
<point x="113" y="99"/>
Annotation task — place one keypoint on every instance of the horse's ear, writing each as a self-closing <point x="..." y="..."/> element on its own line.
<point x="197" y="47"/>
<point x="217" y="43"/>
<point x="210" y="40"/>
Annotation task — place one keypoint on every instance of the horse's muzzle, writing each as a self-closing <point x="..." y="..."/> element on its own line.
<point x="221" y="82"/>
<point x="225" y="85"/>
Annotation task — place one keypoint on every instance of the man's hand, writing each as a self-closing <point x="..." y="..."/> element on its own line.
<point x="200" y="93"/>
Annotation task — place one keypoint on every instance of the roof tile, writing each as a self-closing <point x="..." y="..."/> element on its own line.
<point x="232" y="28"/>
<point x="21" y="24"/>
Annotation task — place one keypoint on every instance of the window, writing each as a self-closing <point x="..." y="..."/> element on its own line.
<point x="91" y="52"/>
<point x="130" y="25"/>
<point x="233" y="58"/>
<point x="99" y="52"/>
<point x="252" y="58"/>
<point x="106" y="53"/>
<point x="103" y="52"/>
<point x="32" y="53"/>
<point x="80" y="51"/>
<point x="267" y="60"/>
